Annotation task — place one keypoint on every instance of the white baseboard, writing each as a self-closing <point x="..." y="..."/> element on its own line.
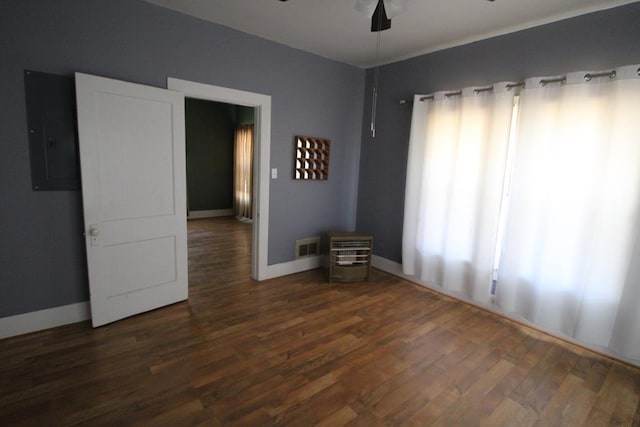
<point x="58" y="316"/>
<point x="395" y="268"/>
<point x="209" y="214"/>
<point x="44" y="319"/>
<point x="296" y="266"/>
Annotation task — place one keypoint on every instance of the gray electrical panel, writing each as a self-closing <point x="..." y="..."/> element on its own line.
<point x="51" y="123"/>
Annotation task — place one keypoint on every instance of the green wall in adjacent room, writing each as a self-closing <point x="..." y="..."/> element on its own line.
<point x="244" y="115"/>
<point x="209" y="132"/>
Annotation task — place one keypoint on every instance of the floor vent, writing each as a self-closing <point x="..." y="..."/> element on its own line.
<point x="307" y="247"/>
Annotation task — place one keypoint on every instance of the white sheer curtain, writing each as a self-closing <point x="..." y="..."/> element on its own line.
<point x="243" y="172"/>
<point x="568" y="261"/>
<point x="455" y="172"/>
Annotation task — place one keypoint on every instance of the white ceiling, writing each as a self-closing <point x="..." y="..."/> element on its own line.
<point x="334" y="29"/>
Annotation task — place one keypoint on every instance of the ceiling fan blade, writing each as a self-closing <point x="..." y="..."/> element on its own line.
<point x="395" y="7"/>
<point x="366" y="6"/>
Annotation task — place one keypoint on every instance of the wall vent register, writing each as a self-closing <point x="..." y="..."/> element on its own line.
<point x="307" y="247"/>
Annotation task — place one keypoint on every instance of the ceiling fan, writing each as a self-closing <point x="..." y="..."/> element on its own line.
<point x="381" y="11"/>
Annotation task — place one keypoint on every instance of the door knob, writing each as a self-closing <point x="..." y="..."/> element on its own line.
<point x="94" y="232"/>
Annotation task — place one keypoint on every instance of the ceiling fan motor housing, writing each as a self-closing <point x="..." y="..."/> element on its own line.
<point x="379" y="20"/>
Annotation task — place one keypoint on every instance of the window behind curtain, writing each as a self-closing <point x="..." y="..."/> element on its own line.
<point x="553" y="200"/>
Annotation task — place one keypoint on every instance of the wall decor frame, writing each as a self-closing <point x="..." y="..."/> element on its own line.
<point x="311" y="160"/>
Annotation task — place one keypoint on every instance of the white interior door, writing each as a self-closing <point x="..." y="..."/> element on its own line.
<point x="132" y="159"/>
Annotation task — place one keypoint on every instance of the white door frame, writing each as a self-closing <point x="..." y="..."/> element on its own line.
<point x="262" y="151"/>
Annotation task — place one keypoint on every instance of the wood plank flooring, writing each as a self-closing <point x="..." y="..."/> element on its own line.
<point x="300" y="351"/>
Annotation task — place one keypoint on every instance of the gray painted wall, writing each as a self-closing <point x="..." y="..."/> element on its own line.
<point x="42" y="261"/>
<point x="209" y="128"/>
<point x="590" y="42"/>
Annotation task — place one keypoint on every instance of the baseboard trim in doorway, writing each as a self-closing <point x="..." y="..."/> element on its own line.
<point x="44" y="319"/>
<point x="291" y="267"/>
<point x="209" y="214"/>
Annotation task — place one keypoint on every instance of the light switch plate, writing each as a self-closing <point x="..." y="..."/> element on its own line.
<point x="274" y="173"/>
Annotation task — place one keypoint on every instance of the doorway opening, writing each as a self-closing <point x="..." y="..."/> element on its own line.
<point x="261" y="156"/>
<point x="219" y="159"/>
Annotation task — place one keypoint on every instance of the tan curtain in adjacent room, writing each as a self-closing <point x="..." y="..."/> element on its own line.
<point x="243" y="172"/>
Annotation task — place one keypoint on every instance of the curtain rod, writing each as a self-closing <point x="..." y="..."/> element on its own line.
<point x="512" y="85"/>
<point x="483" y="89"/>
<point x="456" y="93"/>
<point x="610" y="74"/>
<point x="475" y="92"/>
<point x="543" y="82"/>
<point x="561" y="80"/>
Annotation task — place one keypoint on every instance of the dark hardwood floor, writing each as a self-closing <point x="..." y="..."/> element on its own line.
<point x="299" y="351"/>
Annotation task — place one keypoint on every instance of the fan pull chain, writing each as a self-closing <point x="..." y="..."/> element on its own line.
<point x="374" y="95"/>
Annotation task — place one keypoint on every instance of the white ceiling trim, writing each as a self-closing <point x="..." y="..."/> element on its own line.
<point x="507" y="30"/>
<point x="335" y="30"/>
